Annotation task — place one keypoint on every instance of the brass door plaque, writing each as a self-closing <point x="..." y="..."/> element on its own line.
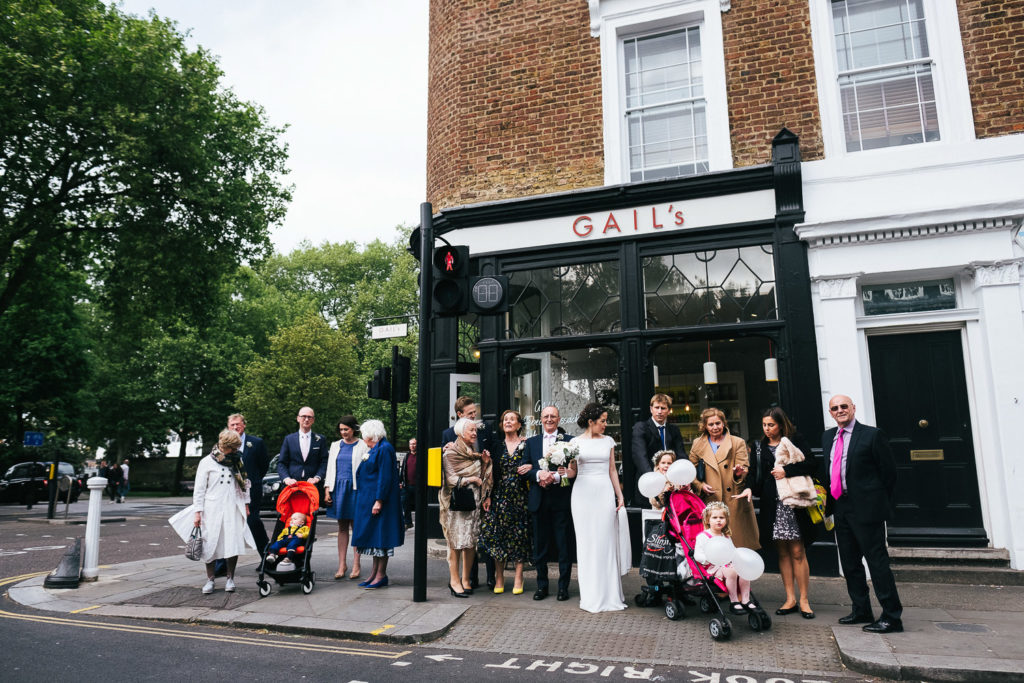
<point x="937" y="454"/>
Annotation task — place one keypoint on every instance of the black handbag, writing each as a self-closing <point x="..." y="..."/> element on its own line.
<point x="702" y="470"/>
<point x="462" y="498"/>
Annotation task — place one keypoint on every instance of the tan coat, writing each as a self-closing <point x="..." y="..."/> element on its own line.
<point x="719" y="474"/>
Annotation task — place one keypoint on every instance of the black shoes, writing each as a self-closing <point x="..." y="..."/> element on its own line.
<point x="540" y="594"/>
<point x="885" y="626"/>
<point x="855" y="618"/>
<point x="787" y="610"/>
<point x="807" y="615"/>
<point x="563" y="595"/>
<point x="456" y="594"/>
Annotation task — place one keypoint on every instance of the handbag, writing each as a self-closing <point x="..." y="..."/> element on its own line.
<point x="462" y="498"/>
<point x="194" y="545"/>
<point x="702" y="470"/>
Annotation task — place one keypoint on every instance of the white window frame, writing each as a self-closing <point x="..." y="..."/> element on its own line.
<point x="949" y="77"/>
<point x="614" y="21"/>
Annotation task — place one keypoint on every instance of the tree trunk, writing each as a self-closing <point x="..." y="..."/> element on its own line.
<point x="179" y="469"/>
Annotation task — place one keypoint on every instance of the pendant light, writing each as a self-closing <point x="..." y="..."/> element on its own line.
<point x="710" y="369"/>
<point x="771" y="366"/>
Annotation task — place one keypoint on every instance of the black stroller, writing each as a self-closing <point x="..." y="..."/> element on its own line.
<point x="299" y="497"/>
<point x="682" y="523"/>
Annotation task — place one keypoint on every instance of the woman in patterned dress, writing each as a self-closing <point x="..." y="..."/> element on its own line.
<point x="791" y="528"/>
<point x="506" y="531"/>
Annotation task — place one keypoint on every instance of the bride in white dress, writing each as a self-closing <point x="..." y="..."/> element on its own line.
<point x="596" y="500"/>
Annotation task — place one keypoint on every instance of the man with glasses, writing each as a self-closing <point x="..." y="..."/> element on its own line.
<point x="303" y="454"/>
<point x="862" y="480"/>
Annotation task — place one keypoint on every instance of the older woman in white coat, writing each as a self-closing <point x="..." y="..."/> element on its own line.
<point x="220" y="505"/>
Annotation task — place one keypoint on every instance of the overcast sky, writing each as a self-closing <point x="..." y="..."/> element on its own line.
<point x="350" y="79"/>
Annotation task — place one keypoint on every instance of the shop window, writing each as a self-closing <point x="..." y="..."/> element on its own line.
<point x="742" y="391"/>
<point x="568" y="379"/>
<point x="564" y="300"/>
<point x="666" y="112"/>
<point x="708" y="287"/>
<point x="908" y="297"/>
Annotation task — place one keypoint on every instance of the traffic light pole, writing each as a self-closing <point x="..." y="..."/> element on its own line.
<point x="419" y="571"/>
<point x="394" y="395"/>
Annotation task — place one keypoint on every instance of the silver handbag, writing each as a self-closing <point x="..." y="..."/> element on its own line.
<point x="194" y="545"/>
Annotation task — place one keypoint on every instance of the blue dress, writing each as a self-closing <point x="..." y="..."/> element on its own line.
<point x="343" y="498"/>
<point x="378" y="480"/>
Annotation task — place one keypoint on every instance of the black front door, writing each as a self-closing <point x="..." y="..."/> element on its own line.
<point x="920" y="395"/>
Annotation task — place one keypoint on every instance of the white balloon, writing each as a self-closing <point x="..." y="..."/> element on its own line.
<point x="719" y="550"/>
<point x="748" y="564"/>
<point x="681" y="472"/>
<point x="651" y="484"/>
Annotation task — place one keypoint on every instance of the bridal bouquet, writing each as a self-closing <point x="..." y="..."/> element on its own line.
<point x="560" y="455"/>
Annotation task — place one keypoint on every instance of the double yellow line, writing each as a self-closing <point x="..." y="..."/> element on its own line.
<point x="258" y="641"/>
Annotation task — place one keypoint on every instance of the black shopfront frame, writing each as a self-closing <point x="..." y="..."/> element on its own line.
<point x="792" y="333"/>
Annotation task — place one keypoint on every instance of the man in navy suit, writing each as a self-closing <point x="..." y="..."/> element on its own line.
<point x="862" y="479"/>
<point x="466" y="407"/>
<point x="304" y="453"/>
<point x="256" y="459"/>
<point x="548" y="503"/>
<point x="653" y="435"/>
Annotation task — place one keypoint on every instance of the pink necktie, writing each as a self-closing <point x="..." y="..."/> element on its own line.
<point x="837" y="467"/>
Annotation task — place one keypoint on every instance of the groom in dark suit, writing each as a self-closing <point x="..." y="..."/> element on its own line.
<point x="303" y="454"/>
<point x="256" y="459"/>
<point x="653" y="435"/>
<point x="548" y="503"/>
<point x="862" y="478"/>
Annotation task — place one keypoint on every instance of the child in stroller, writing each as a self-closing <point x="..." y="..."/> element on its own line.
<point x="301" y="499"/>
<point x="684" y="522"/>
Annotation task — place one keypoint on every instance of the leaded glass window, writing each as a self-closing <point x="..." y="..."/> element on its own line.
<point x="564" y="300"/>
<point x="708" y="287"/>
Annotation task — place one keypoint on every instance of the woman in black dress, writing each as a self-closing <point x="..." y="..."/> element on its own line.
<point x="790" y="527"/>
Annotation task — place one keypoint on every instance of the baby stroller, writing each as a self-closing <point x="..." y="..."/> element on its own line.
<point x="299" y="497"/>
<point x="683" y="523"/>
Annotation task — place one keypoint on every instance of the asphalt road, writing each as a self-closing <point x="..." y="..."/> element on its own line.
<point x="43" y="646"/>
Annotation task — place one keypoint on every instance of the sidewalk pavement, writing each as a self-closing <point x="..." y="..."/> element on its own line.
<point x="953" y="632"/>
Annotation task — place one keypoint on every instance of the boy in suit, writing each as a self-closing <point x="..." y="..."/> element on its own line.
<point x="653" y="435"/>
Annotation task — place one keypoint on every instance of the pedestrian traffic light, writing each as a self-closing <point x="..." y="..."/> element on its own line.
<point x="380" y="385"/>
<point x="451" y="280"/>
<point x="488" y="295"/>
<point x="401" y="376"/>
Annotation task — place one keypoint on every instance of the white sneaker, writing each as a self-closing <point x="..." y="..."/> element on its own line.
<point x="229" y="587"/>
<point x="208" y="587"/>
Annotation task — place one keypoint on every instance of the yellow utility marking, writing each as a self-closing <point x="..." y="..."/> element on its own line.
<point x="381" y="630"/>
<point x="84" y="609"/>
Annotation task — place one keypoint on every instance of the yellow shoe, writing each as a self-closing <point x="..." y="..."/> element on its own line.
<point x="498" y="590"/>
<point x="517" y="591"/>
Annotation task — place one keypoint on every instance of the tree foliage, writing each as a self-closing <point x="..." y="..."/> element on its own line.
<point x="121" y="152"/>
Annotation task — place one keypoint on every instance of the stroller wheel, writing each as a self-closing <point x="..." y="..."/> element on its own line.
<point x="674" y="610"/>
<point x="720" y="628"/>
<point x="766" y="621"/>
<point x="640" y="600"/>
<point x="707" y="605"/>
<point x="264" y="587"/>
<point x="307" y="586"/>
<point x="754" y="621"/>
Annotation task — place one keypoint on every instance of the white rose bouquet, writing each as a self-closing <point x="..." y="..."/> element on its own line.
<point x="560" y="455"/>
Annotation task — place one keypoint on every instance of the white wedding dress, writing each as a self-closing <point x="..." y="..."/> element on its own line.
<point x="597" y="528"/>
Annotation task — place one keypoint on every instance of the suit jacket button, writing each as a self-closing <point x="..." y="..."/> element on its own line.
<point x="728" y="488"/>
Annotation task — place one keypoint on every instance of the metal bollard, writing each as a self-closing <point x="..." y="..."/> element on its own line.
<point x="90" y="568"/>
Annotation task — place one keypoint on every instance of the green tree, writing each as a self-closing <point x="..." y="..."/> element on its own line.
<point x="121" y="152"/>
<point x="309" y="364"/>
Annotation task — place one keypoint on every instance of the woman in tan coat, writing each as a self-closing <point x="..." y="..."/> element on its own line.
<point x="726" y="463"/>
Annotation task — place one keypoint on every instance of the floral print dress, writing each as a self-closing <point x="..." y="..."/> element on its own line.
<point x="506" y="533"/>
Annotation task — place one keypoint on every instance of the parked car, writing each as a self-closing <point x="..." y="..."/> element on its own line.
<point x="271" y="487"/>
<point x="28" y="483"/>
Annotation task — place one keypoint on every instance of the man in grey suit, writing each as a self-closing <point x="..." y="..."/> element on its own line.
<point x="862" y="479"/>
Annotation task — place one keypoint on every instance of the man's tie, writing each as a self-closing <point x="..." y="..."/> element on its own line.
<point x="661" y="430"/>
<point x="837" y="467"/>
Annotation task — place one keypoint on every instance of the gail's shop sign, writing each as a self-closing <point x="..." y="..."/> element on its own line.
<point x="628" y="221"/>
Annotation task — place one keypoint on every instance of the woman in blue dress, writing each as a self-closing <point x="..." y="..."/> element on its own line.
<point x="340" y="489"/>
<point x="378" y="527"/>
